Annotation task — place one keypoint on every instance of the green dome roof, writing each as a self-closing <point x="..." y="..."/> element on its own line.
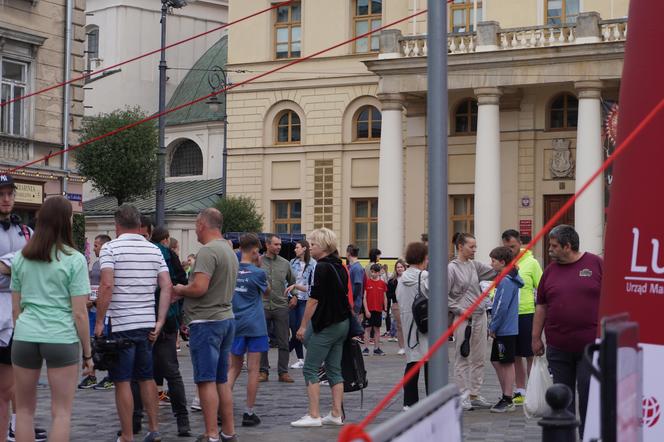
<point x="195" y="84"/>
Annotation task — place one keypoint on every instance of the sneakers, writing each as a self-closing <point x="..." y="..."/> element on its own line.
<point x="88" y="382"/>
<point x="307" y="421"/>
<point x="503" y="406"/>
<point x="331" y="420"/>
<point x="401" y="351"/>
<point x="466" y="405"/>
<point x="298" y="364"/>
<point x="479" y="402"/>
<point x="392" y="339"/>
<point x="263" y="377"/>
<point x="285" y="377"/>
<point x="518" y="399"/>
<point x="378" y="352"/>
<point x="40" y="435"/>
<point x="164" y="400"/>
<point x="365" y="352"/>
<point x="196" y="404"/>
<point x="232" y="438"/>
<point x="250" y="420"/>
<point x="105" y="384"/>
<point x="152" y="436"/>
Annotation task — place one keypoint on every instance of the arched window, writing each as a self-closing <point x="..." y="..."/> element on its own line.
<point x="187" y="159"/>
<point x="465" y="117"/>
<point x="367" y="123"/>
<point x="92" y="46"/>
<point x="564" y="112"/>
<point x="288" y="127"/>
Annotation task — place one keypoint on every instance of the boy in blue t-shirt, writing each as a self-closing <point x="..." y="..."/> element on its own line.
<point x="250" y="327"/>
<point x="504" y="327"/>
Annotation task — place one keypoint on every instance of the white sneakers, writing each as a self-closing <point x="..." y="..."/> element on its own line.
<point x="401" y="351"/>
<point x="308" y="421"/>
<point x="331" y="420"/>
<point x="298" y="364"/>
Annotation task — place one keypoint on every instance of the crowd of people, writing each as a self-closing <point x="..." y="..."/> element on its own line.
<point x="139" y="298"/>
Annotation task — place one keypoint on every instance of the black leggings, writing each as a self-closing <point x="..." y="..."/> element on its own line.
<point x="410" y="390"/>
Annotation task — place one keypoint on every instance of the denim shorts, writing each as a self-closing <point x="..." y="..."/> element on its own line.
<point x="135" y="361"/>
<point x="249" y="344"/>
<point x="210" y="345"/>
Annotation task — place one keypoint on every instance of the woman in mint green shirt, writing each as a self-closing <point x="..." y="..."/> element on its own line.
<point x="49" y="291"/>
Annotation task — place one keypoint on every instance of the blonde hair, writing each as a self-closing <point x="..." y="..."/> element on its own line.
<point x="325" y="238"/>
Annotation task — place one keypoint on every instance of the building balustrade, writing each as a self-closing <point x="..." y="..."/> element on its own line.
<point x="12" y="148"/>
<point x="589" y="28"/>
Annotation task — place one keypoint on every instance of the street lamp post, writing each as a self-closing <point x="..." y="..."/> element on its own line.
<point x="218" y="80"/>
<point x="160" y="206"/>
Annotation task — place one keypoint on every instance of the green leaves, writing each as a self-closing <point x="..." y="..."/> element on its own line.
<point x="240" y="214"/>
<point x="123" y="165"/>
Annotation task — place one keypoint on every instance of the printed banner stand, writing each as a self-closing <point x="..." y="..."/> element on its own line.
<point x="634" y="261"/>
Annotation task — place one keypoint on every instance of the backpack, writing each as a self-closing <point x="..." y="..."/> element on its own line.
<point x="420" y="308"/>
<point x="352" y="367"/>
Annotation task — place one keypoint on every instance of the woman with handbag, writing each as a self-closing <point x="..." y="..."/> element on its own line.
<point x="413" y="282"/>
<point x="329" y="311"/>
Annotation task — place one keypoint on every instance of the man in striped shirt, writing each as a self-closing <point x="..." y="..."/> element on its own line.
<point x="131" y="269"/>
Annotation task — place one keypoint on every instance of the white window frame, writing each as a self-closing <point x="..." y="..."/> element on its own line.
<point x="12" y="85"/>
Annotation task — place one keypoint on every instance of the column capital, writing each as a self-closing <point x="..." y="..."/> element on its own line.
<point x="391" y="101"/>
<point x="488" y="95"/>
<point x="589" y="88"/>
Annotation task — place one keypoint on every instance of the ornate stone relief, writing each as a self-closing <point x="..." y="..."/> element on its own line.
<point x="561" y="165"/>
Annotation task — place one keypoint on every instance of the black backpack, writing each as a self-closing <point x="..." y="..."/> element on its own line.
<point x="352" y="367"/>
<point x="420" y="308"/>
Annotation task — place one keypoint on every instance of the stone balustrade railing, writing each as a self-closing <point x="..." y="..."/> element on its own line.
<point x="589" y="28"/>
<point x="14" y="148"/>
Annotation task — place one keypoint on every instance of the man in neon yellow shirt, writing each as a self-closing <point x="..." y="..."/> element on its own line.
<point x="531" y="272"/>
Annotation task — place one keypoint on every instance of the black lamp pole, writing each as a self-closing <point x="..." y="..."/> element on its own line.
<point x="218" y="80"/>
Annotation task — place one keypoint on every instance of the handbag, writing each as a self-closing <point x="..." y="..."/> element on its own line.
<point x="464" y="350"/>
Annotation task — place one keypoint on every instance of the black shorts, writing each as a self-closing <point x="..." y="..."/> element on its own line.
<point x="6" y="354"/>
<point x="503" y="349"/>
<point x="375" y="320"/>
<point x="524" y="346"/>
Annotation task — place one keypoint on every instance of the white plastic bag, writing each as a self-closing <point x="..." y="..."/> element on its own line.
<point x="539" y="381"/>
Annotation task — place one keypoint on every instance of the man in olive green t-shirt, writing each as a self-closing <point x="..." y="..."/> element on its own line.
<point x="208" y="312"/>
<point x="280" y="281"/>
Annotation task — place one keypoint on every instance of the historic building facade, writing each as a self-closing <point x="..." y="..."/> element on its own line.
<point x="340" y="140"/>
<point x="33" y="56"/>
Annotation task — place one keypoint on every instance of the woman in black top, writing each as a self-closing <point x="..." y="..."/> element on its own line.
<point x="328" y="309"/>
<point x="393" y="305"/>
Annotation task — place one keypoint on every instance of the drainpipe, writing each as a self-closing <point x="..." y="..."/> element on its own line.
<point x="66" y="101"/>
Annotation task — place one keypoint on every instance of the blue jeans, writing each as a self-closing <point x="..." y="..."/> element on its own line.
<point x="135" y="361"/>
<point x="295" y="316"/>
<point x="210" y="346"/>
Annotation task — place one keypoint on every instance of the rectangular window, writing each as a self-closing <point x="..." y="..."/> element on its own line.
<point x="13" y="84"/>
<point x="560" y="12"/>
<point x="287" y="216"/>
<point x="367" y="16"/>
<point x="462" y="216"/>
<point x="323" y="194"/>
<point x="462" y="15"/>
<point x="288" y="31"/>
<point x="365" y="224"/>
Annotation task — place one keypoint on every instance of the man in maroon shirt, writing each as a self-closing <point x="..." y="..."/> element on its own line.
<point x="567" y="309"/>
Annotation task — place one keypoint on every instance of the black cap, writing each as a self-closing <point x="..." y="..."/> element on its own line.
<point x="7" y="180"/>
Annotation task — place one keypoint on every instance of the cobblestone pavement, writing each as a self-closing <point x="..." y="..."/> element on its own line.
<point x="94" y="417"/>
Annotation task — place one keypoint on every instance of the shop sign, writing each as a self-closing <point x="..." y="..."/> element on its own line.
<point x="29" y="193"/>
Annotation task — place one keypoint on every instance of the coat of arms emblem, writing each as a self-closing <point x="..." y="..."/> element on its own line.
<point x="561" y="163"/>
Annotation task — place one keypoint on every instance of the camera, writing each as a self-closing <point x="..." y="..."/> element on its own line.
<point x="105" y="351"/>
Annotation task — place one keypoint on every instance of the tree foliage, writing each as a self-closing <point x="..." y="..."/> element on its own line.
<point x="123" y="165"/>
<point x="240" y="214"/>
<point x="78" y="227"/>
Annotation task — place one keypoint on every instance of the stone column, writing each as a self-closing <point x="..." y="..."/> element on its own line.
<point x="589" y="208"/>
<point x="487" y="172"/>
<point x="390" y="177"/>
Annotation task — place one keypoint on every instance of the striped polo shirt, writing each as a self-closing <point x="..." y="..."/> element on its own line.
<point x="135" y="262"/>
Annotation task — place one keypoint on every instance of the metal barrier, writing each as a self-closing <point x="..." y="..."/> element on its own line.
<point x="437" y="417"/>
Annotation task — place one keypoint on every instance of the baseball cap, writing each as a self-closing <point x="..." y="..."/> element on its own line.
<point x="7" y="180"/>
